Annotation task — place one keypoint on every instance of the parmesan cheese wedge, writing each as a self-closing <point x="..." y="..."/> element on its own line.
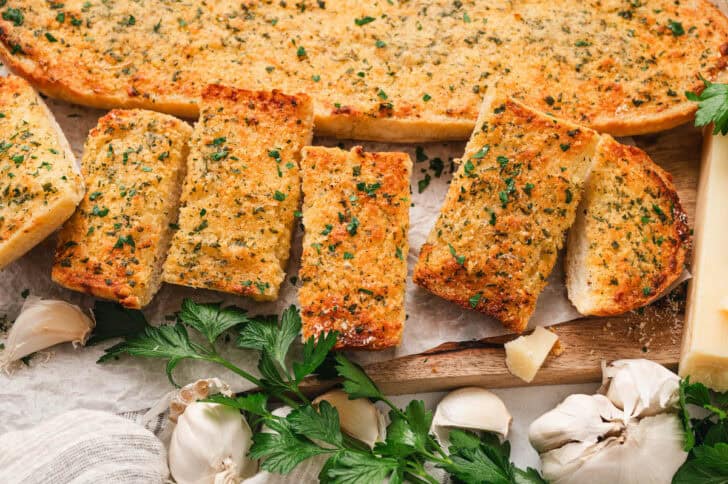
<point x="525" y="355"/>
<point x="705" y="336"/>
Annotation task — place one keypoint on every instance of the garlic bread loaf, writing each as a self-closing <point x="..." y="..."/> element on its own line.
<point x="40" y="184"/>
<point x="114" y="245"/>
<point x="630" y="238"/>
<point x="383" y="70"/>
<point x="506" y="212"/>
<point x="354" y="263"/>
<point x="241" y="192"/>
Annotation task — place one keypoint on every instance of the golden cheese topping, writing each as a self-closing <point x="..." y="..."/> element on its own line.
<point x="386" y="69"/>
<point x="630" y="239"/>
<point x="509" y="205"/>
<point x="114" y="245"/>
<point x="40" y="185"/>
<point x="241" y="192"/>
<point x="354" y="263"/>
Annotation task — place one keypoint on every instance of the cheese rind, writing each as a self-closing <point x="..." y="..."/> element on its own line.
<point x="241" y="192"/>
<point x="114" y="244"/>
<point x="525" y="355"/>
<point x="40" y="184"/>
<point x="705" y="336"/>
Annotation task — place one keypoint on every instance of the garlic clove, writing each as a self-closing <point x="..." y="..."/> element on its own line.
<point x="359" y="418"/>
<point x="43" y="323"/>
<point x="471" y="408"/>
<point x="209" y="445"/>
<point x="195" y="391"/>
<point x="640" y="387"/>
<point x="648" y="452"/>
<point x="579" y="418"/>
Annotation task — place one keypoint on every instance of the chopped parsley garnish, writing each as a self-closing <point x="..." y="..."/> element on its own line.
<point x="420" y="154"/>
<point x="364" y="20"/>
<point x="369" y="188"/>
<point x="94" y="196"/>
<point x="352" y="226"/>
<point x="565" y="146"/>
<point x="676" y="28"/>
<point x="426" y="97"/>
<point x="469" y="168"/>
<point x="124" y="240"/>
<point x="398" y="253"/>
<point x="481" y="152"/>
<point x="13" y="15"/>
<point x="460" y="259"/>
<point x="99" y="212"/>
<point x="50" y="37"/>
<point x="380" y="44"/>
<point x="327" y="230"/>
<point x="348" y="255"/>
<point x="569" y="196"/>
<point x="474" y="300"/>
<point x="424" y="183"/>
<point x="301" y="52"/>
<point x="279" y="196"/>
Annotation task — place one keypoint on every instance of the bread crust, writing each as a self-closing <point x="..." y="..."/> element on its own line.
<point x="241" y="192"/>
<point x="354" y="263"/>
<point x="631" y="239"/>
<point x="507" y="211"/>
<point x="404" y="77"/>
<point x="40" y="184"/>
<point x="114" y="244"/>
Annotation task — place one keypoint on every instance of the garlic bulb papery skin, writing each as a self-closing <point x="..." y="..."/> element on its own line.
<point x="640" y="387"/>
<point x="209" y="445"/>
<point x="195" y="391"/>
<point x="649" y="451"/>
<point x="630" y="435"/>
<point x="472" y="408"/>
<point x="359" y="418"/>
<point x="579" y="418"/>
<point x="43" y="323"/>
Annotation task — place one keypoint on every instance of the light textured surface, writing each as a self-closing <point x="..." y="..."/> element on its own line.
<point x="353" y="268"/>
<point x="114" y="245"/>
<point x="40" y="184"/>
<point x="240" y="193"/>
<point x="83" y="447"/>
<point x="386" y="70"/>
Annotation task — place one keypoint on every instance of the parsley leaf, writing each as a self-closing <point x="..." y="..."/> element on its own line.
<point x="115" y="321"/>
<point x="320" y="425"/>
<point x="210" y="319"/>
<point x="282" y="450"/>
<point x="710" y="464"/>
<point x="264" y="334"/>
<point x="476" y="460"/>
<point x="360" y="468"/>
<point x="255" y="403"/>
<point x="712" y="106"/>
<point x="357" y="383"/>
<point x="165" y="342"/>
<point x="314" y="354"/>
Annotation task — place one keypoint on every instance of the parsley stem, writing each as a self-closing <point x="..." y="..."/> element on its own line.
<point x="222" y="361"/>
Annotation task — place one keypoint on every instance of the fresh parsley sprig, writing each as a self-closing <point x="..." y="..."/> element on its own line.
<point x="712" y="106"/>
<point x="706" y="436"/>
<point x="407" y="453"/>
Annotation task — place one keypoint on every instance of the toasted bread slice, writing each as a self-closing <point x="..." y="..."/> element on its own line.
<point x="630" y="238"/>
<point x="354" y="263"/>
<point x="507" y="211"/>
<point x="40" y="184"/>
<point x="393" y="71"/>
<point x="241" y="192"/>
<point x="114" y="245"/>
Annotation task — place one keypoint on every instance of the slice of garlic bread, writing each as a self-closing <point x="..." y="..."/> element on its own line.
<point x="40" y="184"/>
<point x="630" y="238"/>
<point x="114" y="245"/>
<point x="241" y="192"/>
<point x="506" y="213"/>
<point x="354" y="263"/>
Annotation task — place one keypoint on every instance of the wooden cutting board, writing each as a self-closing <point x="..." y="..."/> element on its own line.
<point x="654" y="332"/>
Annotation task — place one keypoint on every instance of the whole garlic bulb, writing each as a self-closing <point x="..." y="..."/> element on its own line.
<point x="209" y="445"/>
<point x="631" y="435"/>
<point x="472" y="408"/>
<point x="359" y="418"/>
<point x="43" y="323"/>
